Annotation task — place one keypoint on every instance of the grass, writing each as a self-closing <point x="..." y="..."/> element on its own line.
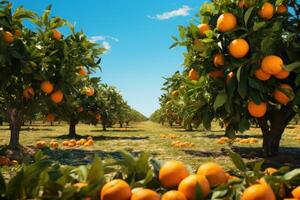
<point x="146" y="136"/>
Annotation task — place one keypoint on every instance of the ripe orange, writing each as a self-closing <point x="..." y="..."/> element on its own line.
<point x="82" y="71"/>
<point x="281" y="9"/>
<point x="65" y="143"/>
<point x="98" y="117"/>
<point x="238" y="48"/>
<point x="203" y="28"/>
<point x="54" y="145"/>
<point x="144" y="194"/>
<point x="8" y="37"/>
<point x="18" y="33"/>
<point x="56" y="35"/>
<point x="218" y="60"/>
<point x="242" y="4"/>
<point x="193" y="75"/>
<point x="80" y="109"/>
<point x="266" y="11"/>
<point x="270" y="170"/>
<point x="188" y="186"/>
<point x="116" y="189"/>
<point x="216" y="74"/>
<point x="272" y="64"/>
<point x="50" y="117"/>
<point x="175" y="93"/>
<point x="4" y="161"/>
<point x="281" y="96"/>
<point x="214" y="173"/>
<point x="261" y="75"/>
<point x="28" y="93"/>
<point x="226" y="22"/>
<point x="57" y="96"/>
<point x="172" y="173"/>
<point x="296" y="192"/>
<point x="283" y="74"/>
<point x="229" y="76"/>
<point x="89" y="91"/>
<point x="47" y="87"/>
<point x="257" y="110"/>
<point x="173" y="195"/>
<point x="258" y="192"/>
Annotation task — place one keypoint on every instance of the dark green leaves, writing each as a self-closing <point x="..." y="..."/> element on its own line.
<point x="237" y="161"/>
<point x="220" y="100"/>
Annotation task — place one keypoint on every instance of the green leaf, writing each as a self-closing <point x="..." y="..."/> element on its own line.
<point x="220" y="100"/>
<point x="292" y="66"/>
<point x="258" y="25"/>
<point x="244" y="125"/>
<point x="96" y="172"/>
<point x="237" y="161"/>
<point x="247" y="15"/>
<point x="198" y="191"/>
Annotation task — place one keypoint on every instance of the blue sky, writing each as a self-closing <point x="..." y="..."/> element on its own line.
<point x="137" y="33"/>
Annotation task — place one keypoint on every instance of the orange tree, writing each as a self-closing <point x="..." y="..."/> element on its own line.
<point x="33" y="72"/>
<point x="244" y="59"/>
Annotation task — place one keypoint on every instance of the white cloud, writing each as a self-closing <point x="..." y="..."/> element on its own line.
<point x="104" y="40"/>
<point x="183" y="11"/>
<point x="106" y="45"/>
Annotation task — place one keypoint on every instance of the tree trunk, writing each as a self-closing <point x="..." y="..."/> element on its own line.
<point x="189" y="127"/>
<point x="170" y="123"/>
<point x="103" y="126"/>
<point x="51" y="123"/>
<point x="1" y="121"/>
<point x="273" y="127"/>
<point x="127" y="123"/>
<point x="121" y="124"/>
<point x="15" y="123"/>
<point x="72" y="126"/>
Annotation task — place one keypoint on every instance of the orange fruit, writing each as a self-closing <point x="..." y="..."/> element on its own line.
<point x="193" y="75"/>
<point x="214" y="173"/>
<point x="50" y="117"/>
<point x="172" y="173"/>
<point x="89" y="91"/>
<point x="40" y="144"/>
<point x="98" y="117"/>
<point x="175" y="93"/>
<point x="56" y="35"/>
<point x="65" y="143"/>
<point x="54" y="145"/>
<point x="218" y="60"/>
<point x="18" y="33"/>
<point x="261" y="75"/>
<point x="270" y="170"/>
<point x="203" y="28"/>
<point x="82" y="71"/>
<point x="226" y="22"/>
<point x="242" y="4"/>
<point x="89" y="138"/>
<point x="47" y="87"/>
<point x="238" y="48"/>
<point x="296" y="192"/>
<point x="28" y="93"/>
<point x="283" y="74"/>
<point x="145" y="194"/>
<point x="280" y="96"/>
<point x="229" y="76"/>
<point x="116" y="190"/>
<point x="80" y="184"/>
<point x="4" y="161"/>
<point x="188" y="186"/>
<point x="8" y="37"/>
<point x="173" y="195"/>
<point x="258" y="192"/>
<point x="257" y="110"/>
<point x="281" y="9"/>
<point x="216" y="74"/>
<point x="272" y="64"/>
<point x="266" y="11"/>
<point x="57" y="96"/>
<point x="80" y="109"/>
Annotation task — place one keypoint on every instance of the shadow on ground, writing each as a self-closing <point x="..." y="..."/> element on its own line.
<point x="100" y="137"/>
<point x="213" y="136"/>
<point x="117" y="131"/>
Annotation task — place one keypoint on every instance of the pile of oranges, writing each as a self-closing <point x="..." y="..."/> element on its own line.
<point x="168" y="136"/>
<point x="180" y="144"/>
<point x="224" y="140"/>
<point x="82" y="142"/>
<point x="43" y="144"/>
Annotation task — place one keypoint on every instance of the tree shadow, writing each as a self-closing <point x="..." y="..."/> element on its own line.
<point x="117" y="131"/>
<point x="213" y="136"/>
<point x="204" y="153"/>
<point x="101" y="137"/>
<point x="36" y="129"/>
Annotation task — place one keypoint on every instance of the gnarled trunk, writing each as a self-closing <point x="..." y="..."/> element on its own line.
<point x="72" y="126"/>
<point x="15" y="122"/>
<point x="273" y="127"/>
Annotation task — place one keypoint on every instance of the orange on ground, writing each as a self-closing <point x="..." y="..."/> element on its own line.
<point x="214" y="173"/>
<point x="203" y="28"/>
<point x="226" y="22"/>
<point x="173" y="195"/>
<point x="261" y="75"/>
<point x="266" y="11"/>
<point x="218" y="60"/>
<point x="47" y="87"/>
<point x="65" y="143"/>
<point x="82" y="71"/>
<point x="216" y="74"/>
<point x="50" y="117"/>
<point x="258" y="192"/>
<point x="175" y="93"/>
<point x="283" y="74"/>
<point x="188" y="186"/>
<point x="281" y="96"/>
<point x="98" y="117"/>
<point x="296" y="192"/>
<point x="89" y="91"/>
<point x="272" y="64"/>
<point x="56" y="35"/>
<point x="193" y="75"/>
<point x="57" y="96"/>
<point x="54" y="145"/>
<point x="257" y="110"/>
<point x="238" y="48"/>
<point x="145" y="194"/>
<point x="8" y="37"/>
<point x="28" y="93"/>
<point x="281" y="9"/>
<point x="116" y="189"/>
<point x="172" y="173"/>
